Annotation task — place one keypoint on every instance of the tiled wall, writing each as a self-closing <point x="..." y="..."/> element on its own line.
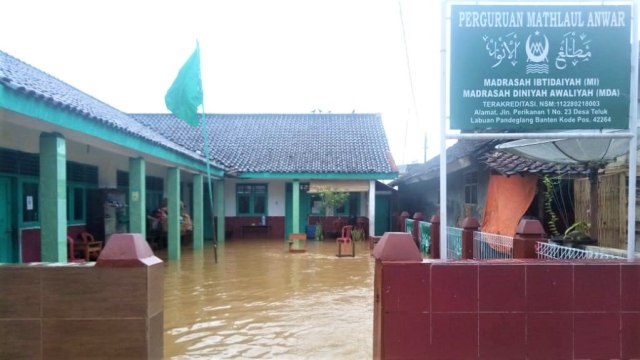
<point x="64" y="311"/>
<point x="513" y="309"/>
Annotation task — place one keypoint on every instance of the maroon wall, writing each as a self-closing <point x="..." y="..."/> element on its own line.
<point x="515" y="309"/>
<point x="235" y="223"/>
<point x="30" y="239"/>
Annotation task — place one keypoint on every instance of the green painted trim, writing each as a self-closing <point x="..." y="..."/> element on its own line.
<point x="305" y="176"/>
<point x="221" y="219"/>
<point x="252" y="200"/>
<point x="137" y="197"/>
<point x="52" y="197"/>
<point x="198" y="213"/>
<point x="28" y="106"/>
<point x="295" y="228"/>
<point x="173" y="211"/>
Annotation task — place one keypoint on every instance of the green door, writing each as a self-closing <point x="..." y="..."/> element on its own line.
<point x="6" y="220"/>
<point x="383" y="217"/>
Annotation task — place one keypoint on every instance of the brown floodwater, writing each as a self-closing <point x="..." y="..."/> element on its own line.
<point x="262" y="302"/>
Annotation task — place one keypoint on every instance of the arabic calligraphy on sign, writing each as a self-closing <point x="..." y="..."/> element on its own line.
<point x="573" y="50"/>
<point x="503" y="48"/>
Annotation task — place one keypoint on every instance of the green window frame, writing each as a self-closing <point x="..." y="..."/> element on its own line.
<point x="251" y="199"/>
<point x="80" y="179"/>
<point x="315" y="205"/>
<point x="77" y="199"/>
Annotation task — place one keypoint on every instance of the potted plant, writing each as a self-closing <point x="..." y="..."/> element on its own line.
<point x="319" y="235"/>
<point x="357" y="234"/>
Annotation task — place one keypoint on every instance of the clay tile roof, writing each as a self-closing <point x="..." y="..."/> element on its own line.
<point x="484" y="152"/>
<point x="26" y="79"/>
<point x="509" y="164"/>
<point x="286" y="143"/>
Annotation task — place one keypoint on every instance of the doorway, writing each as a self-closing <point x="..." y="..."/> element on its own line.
<point x="8" y="248"/>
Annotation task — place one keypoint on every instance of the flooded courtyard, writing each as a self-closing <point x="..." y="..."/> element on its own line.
<point x="260" y="301"/>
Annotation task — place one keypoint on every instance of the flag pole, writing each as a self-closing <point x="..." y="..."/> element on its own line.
<point x="182" y="99"/>
<point x="206" y="155"/>
<point x="205" y="138"/>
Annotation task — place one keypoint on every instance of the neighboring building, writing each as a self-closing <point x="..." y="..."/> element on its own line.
<point x="467" y="178"/>
<point x="71" y="163"/>
<point x="470" y="165"/>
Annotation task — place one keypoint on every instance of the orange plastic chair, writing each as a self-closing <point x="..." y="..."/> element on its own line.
<point x="344" y="242"/>
<point x="88" y="246"/>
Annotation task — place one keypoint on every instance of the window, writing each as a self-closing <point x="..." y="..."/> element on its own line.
<point x="80" y="179"/>
<point x="471" y="187"/>
<point x="76" y="208"/>
<point x="316" y="205"/>
<point x="251" y="199"/>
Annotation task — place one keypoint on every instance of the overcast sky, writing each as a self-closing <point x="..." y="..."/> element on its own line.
<point x="258" y="56"/>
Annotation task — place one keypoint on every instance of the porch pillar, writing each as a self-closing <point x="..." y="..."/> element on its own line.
<point x="469" y="226"/>
<point x="137" y="197"/>
<point x="220" y="210"/>
<point x="296" y="207"/>
<point x="528" y="233"/>
<point x="53" y="198"/>
<point x="402" y="221"/>
<point x="435" y="237"/>
<point x="198" y="212"/>
<point x="173" y="211"/>
<point x="372" y="208"/>
<point x="415" y="232"/>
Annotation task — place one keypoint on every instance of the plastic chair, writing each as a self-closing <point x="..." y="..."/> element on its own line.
<point x="88" y="246"/>
<point x="345" y="242"/>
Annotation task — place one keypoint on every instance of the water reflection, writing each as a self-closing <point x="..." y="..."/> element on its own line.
<point x="259" y="301"/>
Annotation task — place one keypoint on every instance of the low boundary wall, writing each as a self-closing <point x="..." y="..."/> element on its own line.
<point x="111" y="309"/>
<point x="503" y="309"/>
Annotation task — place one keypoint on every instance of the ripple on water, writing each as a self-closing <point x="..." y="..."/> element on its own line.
<point x="261" y="302"/>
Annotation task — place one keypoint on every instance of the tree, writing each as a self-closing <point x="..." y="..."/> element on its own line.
<point x="332" y="199"/>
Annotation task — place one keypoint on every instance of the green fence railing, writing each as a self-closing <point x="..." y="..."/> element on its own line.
<point x="408" y="225"/>
<point x="425" y="236"/>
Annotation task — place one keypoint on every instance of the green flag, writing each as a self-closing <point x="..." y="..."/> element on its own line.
<point x="185" y="94"/>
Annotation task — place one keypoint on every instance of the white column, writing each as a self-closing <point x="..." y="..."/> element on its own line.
<point x="372" y="207"/>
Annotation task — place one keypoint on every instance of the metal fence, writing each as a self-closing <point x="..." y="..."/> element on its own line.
<point x="425" y="236"/>
<point x="555" y="251"/>
<point x="492" y="246"/>
<point x="408" y="225"/>
<point x="454" y="243"/>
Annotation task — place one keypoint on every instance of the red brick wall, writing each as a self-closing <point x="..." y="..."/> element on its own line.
<point x="507" y="310"/>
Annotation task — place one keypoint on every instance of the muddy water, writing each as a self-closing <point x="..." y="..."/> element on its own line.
<point x="259" y="301"/>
